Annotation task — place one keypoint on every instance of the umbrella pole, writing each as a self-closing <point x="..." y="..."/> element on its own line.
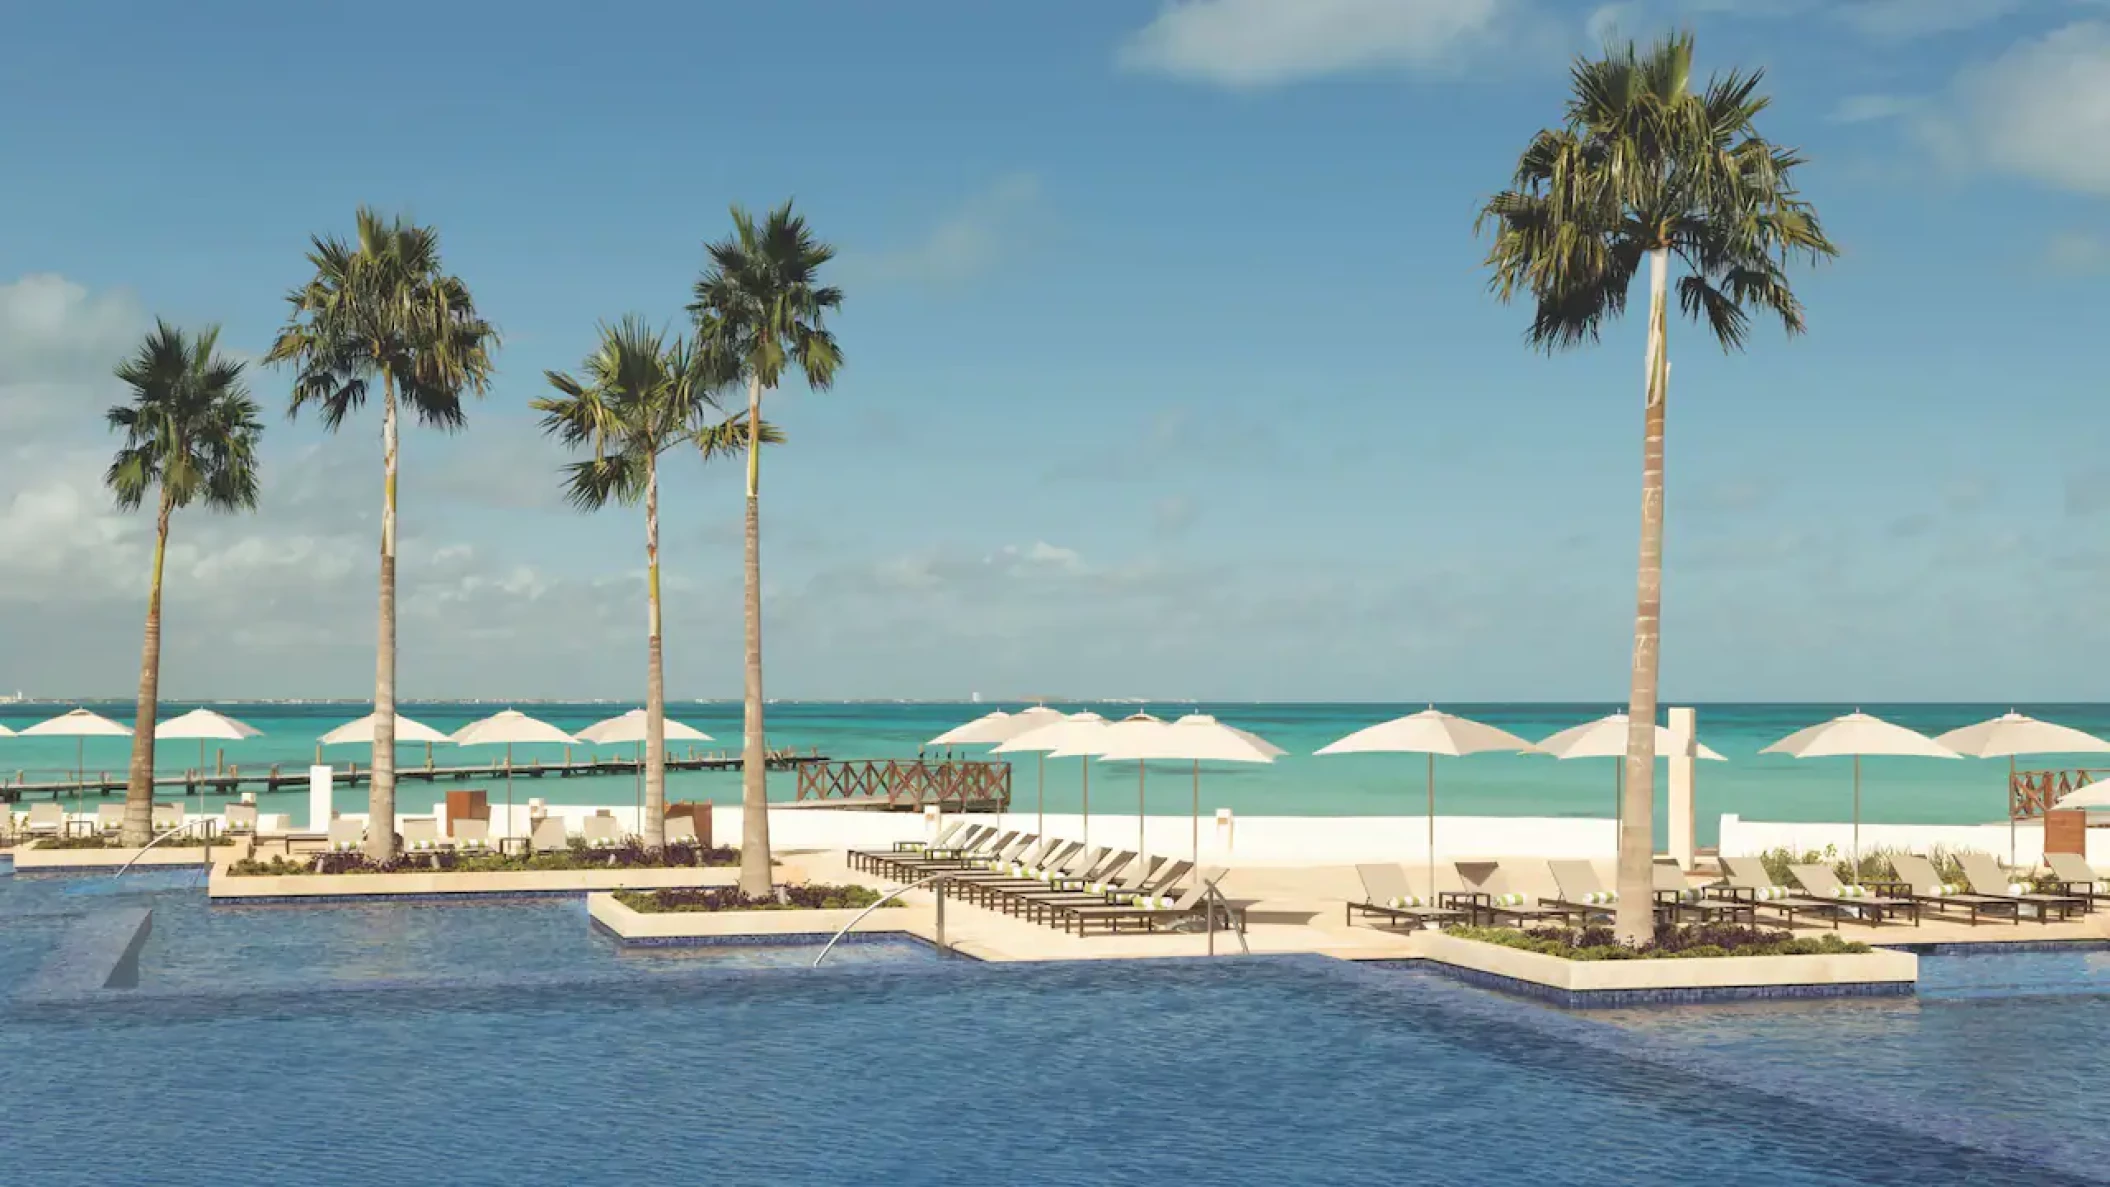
<point x="1857" y="818"/>
<point x="1040" y="793"/>
<point x="80" y="787"/>
<point x="1087" y="763"/>
<point x="637" y="785"/>
<point x="1139" y="806"/>
<point x="509" y="791"/>
<point x="201" y="776"/>
<point x="2011" y="810"/>
<point x="1197" y="813"/>
<point x="1432" y="823"/>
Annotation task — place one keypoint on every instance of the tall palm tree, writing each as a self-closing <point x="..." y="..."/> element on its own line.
<point x="1648" y="170"/>
<point x="381" y="306"/>
<point x="636" y="398"/>
<point x="190" y="435"/>
<point x="760" y="308"/>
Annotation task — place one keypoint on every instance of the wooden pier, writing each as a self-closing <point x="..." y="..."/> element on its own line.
<point x="905" y="785"/>
<point x="234" y="781"/>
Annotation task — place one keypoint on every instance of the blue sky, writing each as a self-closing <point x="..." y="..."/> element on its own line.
<point x="1172" y="371"/>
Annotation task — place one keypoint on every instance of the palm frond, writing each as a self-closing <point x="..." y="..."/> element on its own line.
<point x="191" y="429"/>
<point x="760" y="307"/>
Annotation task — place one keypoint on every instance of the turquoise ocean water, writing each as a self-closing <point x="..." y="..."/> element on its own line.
<point x="1758" y="787"/>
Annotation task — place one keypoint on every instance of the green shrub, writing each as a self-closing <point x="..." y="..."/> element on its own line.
<point x="1669" y="943"/>
<point x="810" y="897"/>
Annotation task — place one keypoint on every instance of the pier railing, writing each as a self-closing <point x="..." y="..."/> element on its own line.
<point x="909" y="782"/>
<point x="2030" y="794"/>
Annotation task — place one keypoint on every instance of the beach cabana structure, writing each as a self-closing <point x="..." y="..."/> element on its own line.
<point x="630" y="727"/>
<point x="1430" y="732"/>
<point x="992" y="728"/>
<point x="2013" y="734"/>
<point x="1075" y="734"/>
<point x="206" y="726"/>
<point x="80" y="725"/>
<point x="1195" y="738"/>
<point x="1606" y="738"/>
<point x="509" y="728"/>
<point x="1131" y="730"/>
<point x="1858" y="735"/>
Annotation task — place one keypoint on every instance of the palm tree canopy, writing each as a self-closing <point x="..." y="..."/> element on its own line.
<point x="384" y="304"/>
<point x="635" y="397"/>
<point x="191" y="428"/>
<point x="1645" y="163"/>
<point x="759" y="305"/>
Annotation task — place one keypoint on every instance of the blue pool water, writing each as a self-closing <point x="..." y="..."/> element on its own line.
<point x="509" y="1044"/>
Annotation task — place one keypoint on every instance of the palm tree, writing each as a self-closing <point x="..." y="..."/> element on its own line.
<point x="1647" y="170"/>
<point x="190" y="435"/>
<point x="639" y="397"/>
<point x="760" y="308"/>
<point x="382" y="307"/>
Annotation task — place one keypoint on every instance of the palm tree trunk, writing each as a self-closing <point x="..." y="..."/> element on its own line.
<point x="653" y="827"/>
<point x="139" y="784"/>
<point x="1635" y="917"/>
<point x="381" y="779"/>
<point x="755" y="873"/>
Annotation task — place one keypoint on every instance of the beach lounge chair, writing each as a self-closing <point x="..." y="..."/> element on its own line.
<point x="1748" y="882"/>
<point x="1489" y="898"/>
<point x="1148" y="876"/>
<point x="421" y="834"/>
<point x="2076" y="877"/>
<point x="1137" y="876"/>
<point x="1860" y="904"/>
<point x="167" y="817"/>
<point x="862" y="859"/>
<point x="985" y="845"/>
<point x="471" y="835"/>
<point x="549" y="836"/>
<point x="340" y="844"/>
<point x="241" y="820"/>
<point x="1583" y="892"/>
<point x="46" y="820"/>
<point x="1069" y="860"/>
<point x="679" y="830"/>
<point x="1388" y="895"/>
<point x="109" y="819"/>
<point x="1927" y="889"/>
<point x="1984" y="876"/>
<point x="1104" y="873"/>
<point x="1685" y="900"/>
<point x="603" y="832"/>
<point x="1149" y="911"/>
<point x="1038" y="863"/>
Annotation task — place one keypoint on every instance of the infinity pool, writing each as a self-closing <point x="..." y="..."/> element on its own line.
<point x="511" y="1045"/>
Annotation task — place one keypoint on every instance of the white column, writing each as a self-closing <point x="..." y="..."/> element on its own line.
<point x="319" y="785"/>
<point x="1683" y="724"/>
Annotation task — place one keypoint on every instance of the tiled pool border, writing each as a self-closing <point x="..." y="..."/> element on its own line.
<point x="796" y="939"/>
<point x="2000" y="947"/>
<point x="1588" y="999"/>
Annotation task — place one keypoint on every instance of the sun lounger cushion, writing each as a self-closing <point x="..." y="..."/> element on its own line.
<point x="1509" y="899"/>
<point x="1766" y="894"/>
<point x="1407" y="902"/>
<point x="1151" y="902"/>
<point x="1848" y="890"/>
<point x="1598" y="898"/>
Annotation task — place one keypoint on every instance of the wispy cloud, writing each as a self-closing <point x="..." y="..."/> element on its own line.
<point x="1864" y="109"/>
<point x="1259" y="43"/>
<point x="2040" y="110"/>
<point x="1898" y="20"/>
<point x="969" y="242"/>
<point x="2077" y="253"/>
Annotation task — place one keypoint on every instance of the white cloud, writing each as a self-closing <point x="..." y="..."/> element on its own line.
<point x="2077" y="253"/>
<point x="1612" y="21"/>
<point x="1257" y="43"/>
<point x="2041" y="111"/>
<point x="968" y="243"/>
<point x="58" y="345"/>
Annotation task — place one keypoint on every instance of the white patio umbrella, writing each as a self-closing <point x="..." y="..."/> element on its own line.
<point x="2012" y="734"/>
<point x="80" y="725"/>
<point x="1606" y="738"/>
<point x="1858" y="734"/>
<point x="1000" y="726"/>
<point x="1074" y="734"/>
<point x="630" y="727"/>
<point x="507" y="728"/>
<point x="206" y="726"/>
<point x="1194" y="738"/>
<point x="1430" y="732"/>
<point x="1130" y="730"/>
<point x="361" y="732"/>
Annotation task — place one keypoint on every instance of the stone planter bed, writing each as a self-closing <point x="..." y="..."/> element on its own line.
<point x="1597" y="983"/>
<point x="443" y="883"/>
<point x="33" y="857"/>
<point x="674" y="928"/>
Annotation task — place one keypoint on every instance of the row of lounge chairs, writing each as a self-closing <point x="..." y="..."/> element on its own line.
<point x="50" y="819"/>
<point x="1488" y="898"/>
<point x="1058" y="882"/>
<point x="421" y="834"/>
